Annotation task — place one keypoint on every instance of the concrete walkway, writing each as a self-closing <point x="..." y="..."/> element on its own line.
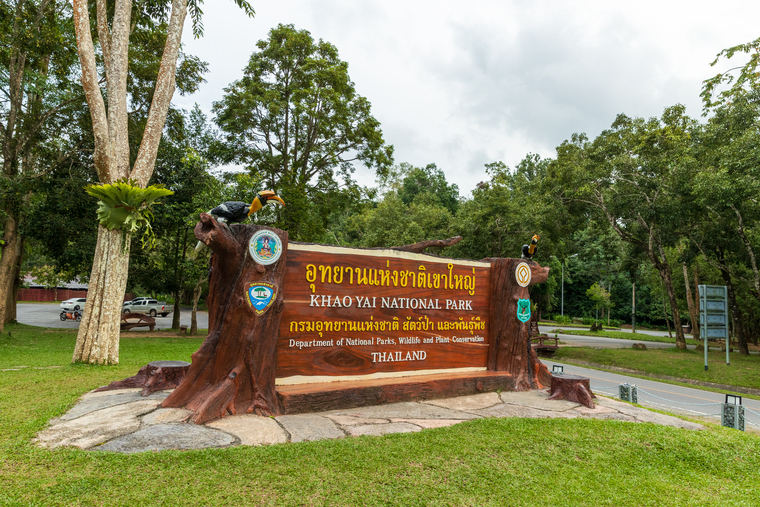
<point x="123" y="421"/>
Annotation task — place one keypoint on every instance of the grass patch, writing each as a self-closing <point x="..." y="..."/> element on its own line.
<point x="622" y="335"/>
<point x="687" y="364"/>
<point x="516" y="462"/>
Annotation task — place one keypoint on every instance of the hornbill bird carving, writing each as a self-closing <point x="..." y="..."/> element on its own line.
<point x="528" y="251"/>
<point x="237" y="211"/>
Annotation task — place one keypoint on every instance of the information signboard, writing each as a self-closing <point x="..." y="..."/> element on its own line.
<point x="713" y="315"/>
<point x="367" y="312"/>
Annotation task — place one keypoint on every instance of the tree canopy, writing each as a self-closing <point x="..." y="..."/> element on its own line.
<point x="296" y="121"/>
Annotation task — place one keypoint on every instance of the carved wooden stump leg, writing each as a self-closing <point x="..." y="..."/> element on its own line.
<point x="572" y="388"/>
<point x="154" y="376"/>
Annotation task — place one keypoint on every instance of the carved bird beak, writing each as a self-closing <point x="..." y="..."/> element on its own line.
<point x="266" y="195"/>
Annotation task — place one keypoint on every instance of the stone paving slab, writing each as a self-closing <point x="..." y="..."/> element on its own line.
<point x="95" y="394"/>
<point x="466" y="403"/>
<point x="162" y="437"/>
<point x="96" y="427"/>
<point x="251" y="429"/>
<point x="404" y="410"/>
<point x="353" y="420"/>
<point x="124" y="421"/>
<point x="507" y="410"/>
<point x="305" y="427"/>
<point x="382" y="429"/>
<point x="167" y="415"/>
<point x="538" y="398"/>
<point x="94" y="403"/>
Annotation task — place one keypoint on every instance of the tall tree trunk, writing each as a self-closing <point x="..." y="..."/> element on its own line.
<point x="98" y="338"/>
<point x="665" y="314"/>
<point x="175" y="313"/>
<point x="179" y="274"/>
<point x="9" y="263"/>
<point x="735" y="313"/>
<point x="10" y="304"/>
<point x="661" y="263"/>
<point x="693" y="314"/>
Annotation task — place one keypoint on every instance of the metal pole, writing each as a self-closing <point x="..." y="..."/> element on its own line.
<point x="633" y="308"/>
<point x="725" y="312"/>
<point x="563" y="290"/>
<point x="704" y="325"/>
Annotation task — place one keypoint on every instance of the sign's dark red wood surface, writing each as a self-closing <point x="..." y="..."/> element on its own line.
<point x="357" y="312"/>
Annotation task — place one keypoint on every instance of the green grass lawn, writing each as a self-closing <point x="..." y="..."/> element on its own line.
<point x="500" y="462"/>
<point x="639" y="337"/>
<point x="689" y="364"/>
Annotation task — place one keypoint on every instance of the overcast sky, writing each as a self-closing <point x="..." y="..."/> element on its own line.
<point x="464" y="84"/>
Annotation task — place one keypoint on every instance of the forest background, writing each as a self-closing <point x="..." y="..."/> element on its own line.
<point x="663" y="203"/>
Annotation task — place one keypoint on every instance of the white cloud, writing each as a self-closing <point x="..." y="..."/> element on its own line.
<point x="465" y="85"/>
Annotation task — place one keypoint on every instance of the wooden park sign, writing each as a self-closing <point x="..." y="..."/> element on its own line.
<point x="298" y="327"/>
<point x="358" y="312"/>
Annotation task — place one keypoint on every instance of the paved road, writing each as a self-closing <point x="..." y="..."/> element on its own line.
<point x="47" y="315"/>
<point x="638" y="331"/>
<point x="677" y="399"/>
<point x="601" y="342"/>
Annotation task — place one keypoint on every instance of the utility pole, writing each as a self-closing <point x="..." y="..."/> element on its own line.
<point x="633" y="308"/>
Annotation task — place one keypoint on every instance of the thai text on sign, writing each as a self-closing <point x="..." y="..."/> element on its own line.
<point x="356" y="311"/>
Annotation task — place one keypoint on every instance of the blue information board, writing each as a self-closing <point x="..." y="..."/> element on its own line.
<point x="713" y="315"/>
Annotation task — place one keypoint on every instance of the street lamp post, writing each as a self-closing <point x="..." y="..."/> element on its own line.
<point x="562" y="312"/>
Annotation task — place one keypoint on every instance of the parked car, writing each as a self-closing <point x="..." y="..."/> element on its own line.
<point x="150" y="306"/>
<point x="133" y="301"/>
<point x="74" y="304"/>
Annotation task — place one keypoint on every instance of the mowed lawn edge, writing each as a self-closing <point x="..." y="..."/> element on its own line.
<point x="481" y="462"/>
<point x="684" y="364"/>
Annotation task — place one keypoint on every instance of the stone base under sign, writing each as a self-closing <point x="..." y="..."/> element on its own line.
<point x="303" y="398"/>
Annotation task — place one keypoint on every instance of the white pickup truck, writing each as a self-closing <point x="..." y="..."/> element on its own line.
<point x="150" y="306"/>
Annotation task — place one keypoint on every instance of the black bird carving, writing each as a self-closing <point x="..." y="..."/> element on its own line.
<point x="528" y="251"/>
<point x="237" y="211"/>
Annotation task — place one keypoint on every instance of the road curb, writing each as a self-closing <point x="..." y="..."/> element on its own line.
<point x="617" y="369"/>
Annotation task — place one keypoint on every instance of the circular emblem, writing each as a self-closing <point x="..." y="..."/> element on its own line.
<point x="265" y="247"/>
<point x="523" y="275"/>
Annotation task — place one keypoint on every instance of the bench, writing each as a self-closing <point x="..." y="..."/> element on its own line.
<point x="140" y="319"/>
<point x="540" y="342"/>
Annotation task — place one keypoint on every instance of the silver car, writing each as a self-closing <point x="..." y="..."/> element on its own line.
<point x="74" y="304"/>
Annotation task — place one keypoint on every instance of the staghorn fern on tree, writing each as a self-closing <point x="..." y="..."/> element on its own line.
<point x="125" y="206"/>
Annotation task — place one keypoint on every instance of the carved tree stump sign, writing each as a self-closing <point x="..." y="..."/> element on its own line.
<point x="510" y="347"/>
<point x="572" y="388"/>
<point x="234" y="369"/>
<point x="154" y="376"/>
<point x="319" y="327"/>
